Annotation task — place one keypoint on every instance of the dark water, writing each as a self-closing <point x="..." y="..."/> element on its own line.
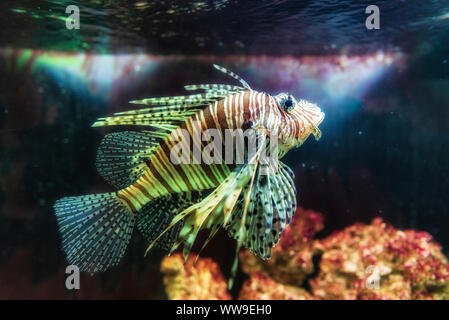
<point x="385" y="144"/>
<point x="225" y="26"/>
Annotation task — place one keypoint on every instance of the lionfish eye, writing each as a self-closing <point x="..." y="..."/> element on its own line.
<point x="287" y="104"/>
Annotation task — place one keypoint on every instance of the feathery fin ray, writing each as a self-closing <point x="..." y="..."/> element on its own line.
<point x="169" y="112"/>
<point x="121" y="155"/>
<point x="232" y="74"/>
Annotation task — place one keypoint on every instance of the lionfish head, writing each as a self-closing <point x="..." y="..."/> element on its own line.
<point x="303" y="120"/>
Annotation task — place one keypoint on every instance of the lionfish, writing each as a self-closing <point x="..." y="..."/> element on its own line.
<point x="170" y="202"/>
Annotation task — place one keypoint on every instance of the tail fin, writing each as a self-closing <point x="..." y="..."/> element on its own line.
<point x="95" y="230"/>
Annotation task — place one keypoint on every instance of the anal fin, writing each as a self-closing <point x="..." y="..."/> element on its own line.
<point x="156" y="216"/>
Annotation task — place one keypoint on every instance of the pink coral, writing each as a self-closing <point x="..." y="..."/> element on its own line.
<point x="374" y="261"/>
<point x="408" y="263"/>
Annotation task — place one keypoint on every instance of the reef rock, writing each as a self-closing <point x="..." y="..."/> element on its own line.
<point x="377" y="261"/>
<point x="261" y="287"/>
<point x="202" y="280"/>
<point x="374" y="261"/>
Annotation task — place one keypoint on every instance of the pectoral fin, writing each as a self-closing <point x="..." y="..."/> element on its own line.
<point x="271" y="207"/>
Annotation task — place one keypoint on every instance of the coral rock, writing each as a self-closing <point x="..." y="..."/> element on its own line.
<point x="377" y="261"/>
<point x="202" y="280"/>
<point x="261" y="287"/>
<point x="374" y="261"/>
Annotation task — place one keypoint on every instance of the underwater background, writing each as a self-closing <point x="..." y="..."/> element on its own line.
<point x="385" y="92"/>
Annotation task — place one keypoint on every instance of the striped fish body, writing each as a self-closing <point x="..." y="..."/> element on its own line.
<point x="163" y="177"/>
<point x="242" y="110"/>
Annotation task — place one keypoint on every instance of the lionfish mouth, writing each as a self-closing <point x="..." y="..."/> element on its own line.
<point x="315" y="123"/>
